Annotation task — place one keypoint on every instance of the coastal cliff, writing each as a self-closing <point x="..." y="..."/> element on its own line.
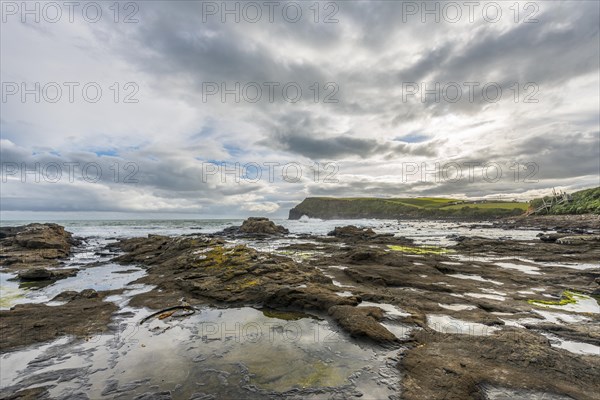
<point x="403" y="208"/>
<point x="581" y="202"/>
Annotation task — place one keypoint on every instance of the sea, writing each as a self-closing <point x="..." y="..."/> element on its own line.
<point x="422" y="231"/>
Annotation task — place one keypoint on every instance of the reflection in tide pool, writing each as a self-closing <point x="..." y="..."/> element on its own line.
<point x="457" y="307"/>
<point x="504" y="393"/>
<point x="573" y="347"/>
<point x="236" y="353"/>
<point x="447" y="324"/>
<point x="100" y="278"/>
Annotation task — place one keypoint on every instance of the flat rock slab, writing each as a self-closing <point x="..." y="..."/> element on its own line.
<point x="362" y="322"/>
<point x="85" y="314"/>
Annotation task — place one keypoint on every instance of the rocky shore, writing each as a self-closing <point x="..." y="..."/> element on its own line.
<point x="562" y="223"/>
<point x="35" y="251"/>
<point x="482" y="315"/>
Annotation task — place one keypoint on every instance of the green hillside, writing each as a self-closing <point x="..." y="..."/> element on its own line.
<point x="394" y="208"/>
<point x="583" y="202"/>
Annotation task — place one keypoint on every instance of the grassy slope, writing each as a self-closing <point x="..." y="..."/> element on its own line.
<point x="584" y="202"/>
<point x="328" y="207"/>
<point x="509" y="205"/>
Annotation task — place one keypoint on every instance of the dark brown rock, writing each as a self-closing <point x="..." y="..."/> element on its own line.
<point x="551" y="237"/>
<point x="579" y="239"/>
<point x="34" y="245"/>
<point x="262" y="226"/>
<point x="71" y="295"/>
<point x="36" y="393"/>
<point x="35" y="274"/>
<point x="312" y="297"/>
<point x="362" y="322"/>
<point x="43" y="274"/>
<point x="443" y="366"/>
<point x="253" y="227"/>
<point x="351" y="231"/>
<point x="85" y="314"/>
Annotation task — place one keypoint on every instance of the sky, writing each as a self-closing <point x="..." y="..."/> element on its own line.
<point x="231" y="109"/>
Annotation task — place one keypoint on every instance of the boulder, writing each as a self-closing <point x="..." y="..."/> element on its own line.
<point x="262" y="226"/>
<point x="550" y="237"/>
<point x="71" y="295"/>
<point x="351" y="231"/>
<point x="35" y="274"/>
<point x="34" y="245"/>
<point x="43" y="274"/>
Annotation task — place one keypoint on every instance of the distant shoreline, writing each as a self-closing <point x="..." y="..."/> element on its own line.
<point x="438" y="208"/>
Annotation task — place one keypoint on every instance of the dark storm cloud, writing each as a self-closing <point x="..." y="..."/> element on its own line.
<point x="360" y="186"/>
<point x="547" y="53"/>
<point x="173" y="41"/>
<point x="335" y="147"/>
<point x="300" y="133"/>
<point x="562" y="156"/>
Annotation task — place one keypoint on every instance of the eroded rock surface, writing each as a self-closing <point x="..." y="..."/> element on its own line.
<point x="43" y="274"/>
<point x="362" y="322"/>
<point x="492" y="292"/>
<point x="255" y="226"/>
<point x="207" y="271"/>
<point x="34" y="246"/>
<point x="445" y="366"/>
<point x="84" y="314"/>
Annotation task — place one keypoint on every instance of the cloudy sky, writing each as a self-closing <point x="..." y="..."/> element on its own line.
<point x="218" y="109"/>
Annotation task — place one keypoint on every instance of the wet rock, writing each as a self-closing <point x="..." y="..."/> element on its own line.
<point x="579" y="239"/>
<point x="164" y="395"/>
<point x="263" y="226"/>
<point x="38" y="236"/>
<point x="560" y="223"/>
<point x="362" y="322"/>
<point x="365" y="255"/>
<point x="311" y="298"/>
<point x="26" y="394"/>
<point x="442" y="366"/>
<point x="497" y="392"/>
<point x="253" y="227"/>
<point x="352" y="234"/>
<point x="201" y="270"/>
<point x="421" y="283"/>
<point x="584" y="251"/>
<point x="43" y="274"/>
<point x="351" y="231"/>
<point x="35" y="274"/>
<point x="550" y="237"/>
<point x="71" y="295"/>
<point x="202" y="396"/>
<point x="456" y="237"/>
<point x="85" y="314"/>
<point x="34" y="245"/>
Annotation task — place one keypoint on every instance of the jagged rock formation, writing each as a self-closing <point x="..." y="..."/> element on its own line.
<point x="34" y="245"/>
<point x="255" y="226"/>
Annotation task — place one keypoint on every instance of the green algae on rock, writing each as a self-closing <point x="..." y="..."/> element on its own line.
<point x="567" y="297"/>
<point x="419" y="250"/>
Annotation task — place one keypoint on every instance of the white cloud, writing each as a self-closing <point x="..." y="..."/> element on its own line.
<point x="171" y="132"/>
